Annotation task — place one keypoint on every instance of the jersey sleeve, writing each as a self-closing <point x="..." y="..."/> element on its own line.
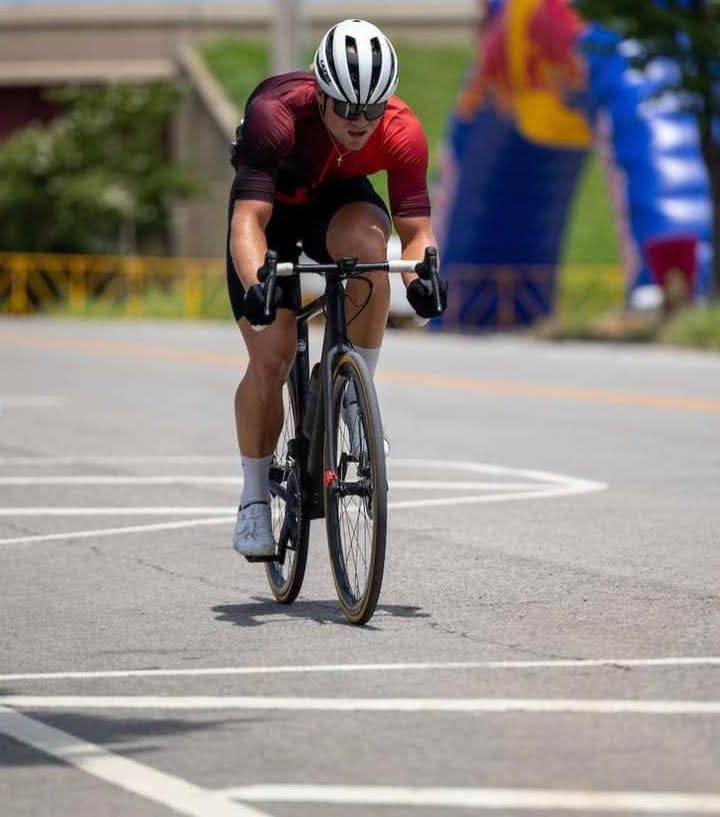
<point x="268" y="136"/>
<point x="407" y="164"/>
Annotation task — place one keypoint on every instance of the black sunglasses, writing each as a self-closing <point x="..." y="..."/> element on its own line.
<point x="352" y="110"/>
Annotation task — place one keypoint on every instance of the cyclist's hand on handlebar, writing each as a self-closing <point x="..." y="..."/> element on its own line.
<point x="422" y="299"/>
<point x="254" y="305"/>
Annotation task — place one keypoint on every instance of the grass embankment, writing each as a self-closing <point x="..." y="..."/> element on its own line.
<point x="590" y="284"/>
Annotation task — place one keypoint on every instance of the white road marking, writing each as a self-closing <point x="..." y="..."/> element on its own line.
<point x="93" y="479"/>
<point x="537" y="485"/>
<point x="148" y="510"/>
<point x="488" y="705"/>
<point x="93" y="534"/>
<point x="548" y="493"/>
<point x="45" y="462"/>
<point x="529" y="799"/>
<point x="569" y="663"/>
<point x="30" y="401"/>
<point x="577" y="487"/>
<point x="402" y="484"/>
<point x="172" y="792"/>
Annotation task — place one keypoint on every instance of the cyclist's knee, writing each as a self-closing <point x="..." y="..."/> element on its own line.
<point x="359" y="230"/>
<point x="269" y="369"/>
<point x="367" y="244"/>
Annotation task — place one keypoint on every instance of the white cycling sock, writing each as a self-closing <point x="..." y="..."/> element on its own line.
<point x="350" y="409"/>
<point x="256" y="471"/>
<point x="371" y="357"/>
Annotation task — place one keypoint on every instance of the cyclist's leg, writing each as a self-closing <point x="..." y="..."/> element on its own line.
<point x="259" y="419"/>
<point x="349" y="218"/>
<point x="258" y="399"/>
<point x="362" y="229"/>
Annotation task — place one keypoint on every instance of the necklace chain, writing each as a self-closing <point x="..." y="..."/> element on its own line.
<point x="340" y="155"/>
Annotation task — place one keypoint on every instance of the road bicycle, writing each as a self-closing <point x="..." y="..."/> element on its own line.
<point x="329" y="461"/>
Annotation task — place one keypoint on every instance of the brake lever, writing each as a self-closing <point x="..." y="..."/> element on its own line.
<point x="432" y="276"/>
<point x="267" y="276"/>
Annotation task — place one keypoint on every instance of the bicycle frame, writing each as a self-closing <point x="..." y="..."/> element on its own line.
<point x="335" y="345"/>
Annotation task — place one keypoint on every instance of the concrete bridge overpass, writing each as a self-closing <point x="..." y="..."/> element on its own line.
<point x="42" y="46"/>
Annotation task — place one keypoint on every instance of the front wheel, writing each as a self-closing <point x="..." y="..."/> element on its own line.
<point x="291" y="529"/>
<point x="355" y="490"/>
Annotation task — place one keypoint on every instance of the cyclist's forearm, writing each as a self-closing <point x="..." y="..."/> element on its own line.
<point x="415" y="249"/>
<point x="247" y="248"/>
<point x="248" y="243"/>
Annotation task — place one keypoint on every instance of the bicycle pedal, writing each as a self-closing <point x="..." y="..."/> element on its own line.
<point x="273" y="558"/>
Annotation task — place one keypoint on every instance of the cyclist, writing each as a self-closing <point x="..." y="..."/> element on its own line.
<point x="306" y="145"/>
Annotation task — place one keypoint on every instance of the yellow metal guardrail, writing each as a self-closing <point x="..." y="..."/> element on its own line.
<point x="126" y="285"/>
<point x="195" y="287"/>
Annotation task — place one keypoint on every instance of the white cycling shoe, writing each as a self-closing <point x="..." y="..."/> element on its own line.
<point x="253" y="535"/>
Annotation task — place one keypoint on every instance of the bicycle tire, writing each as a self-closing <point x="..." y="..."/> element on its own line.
<point x="290" y="526"/>
<point x="357" y="498"/>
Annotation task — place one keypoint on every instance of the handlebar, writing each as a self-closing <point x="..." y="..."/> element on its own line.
<point x="271" y="270"/>
<point x="286" y="268"/>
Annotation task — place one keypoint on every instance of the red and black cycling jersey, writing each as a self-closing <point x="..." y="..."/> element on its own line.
<point x="285" y="151"/>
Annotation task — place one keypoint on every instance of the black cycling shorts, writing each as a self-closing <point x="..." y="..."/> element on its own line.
<point x="307" y="223"/>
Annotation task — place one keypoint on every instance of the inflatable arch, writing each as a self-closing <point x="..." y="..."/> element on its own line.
<point x="546" y="88"/>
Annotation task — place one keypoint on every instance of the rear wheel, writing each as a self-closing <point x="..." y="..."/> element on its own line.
<point x="356" y="490"/>
<point x="290" y="527"/>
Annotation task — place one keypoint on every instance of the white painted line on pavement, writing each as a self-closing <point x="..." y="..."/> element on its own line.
<point x="569" y="663"/>
<point x="227" y="511"/>
<point x="172" y="792"/>
<point x="157" y="510"/>
<point x="402" y="484"/>
<point x="170" y="459"/>
<point x="30" y="401"/>
<point x="488" y="705"/>
<point x="540" y="493"/>
<point x="92" y="534"/>
<point x="528" y="799"/>
<point x="94" y="479"/>
<point x="541" y="485"/>
<point x="149" y="510"/>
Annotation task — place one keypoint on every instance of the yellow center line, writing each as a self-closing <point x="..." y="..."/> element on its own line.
<point x="126" y="349"/>
<point x="419" y="379"/>
<point x="606" y="396"/>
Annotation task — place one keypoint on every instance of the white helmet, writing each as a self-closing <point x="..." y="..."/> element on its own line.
<point x="356" y="62"/>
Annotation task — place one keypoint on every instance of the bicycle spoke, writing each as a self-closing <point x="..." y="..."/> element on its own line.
<point x="356" y="533"/>
<point x="289" y="529"/>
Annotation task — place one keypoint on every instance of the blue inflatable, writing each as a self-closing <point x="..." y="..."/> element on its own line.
<point x="548" y="88"/>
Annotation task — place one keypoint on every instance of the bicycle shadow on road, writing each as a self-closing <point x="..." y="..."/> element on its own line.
<point x="265" y="610"/>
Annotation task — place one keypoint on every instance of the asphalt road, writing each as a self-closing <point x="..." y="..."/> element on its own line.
<point x="547" y="638"/>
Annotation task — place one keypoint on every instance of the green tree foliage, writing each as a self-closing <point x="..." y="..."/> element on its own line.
<point x="689" y="32"/>
<point x="96" y="179"/>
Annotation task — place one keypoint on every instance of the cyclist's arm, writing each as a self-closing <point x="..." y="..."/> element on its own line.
<point x="247" y="238"/>
<point x="415" y="234"/>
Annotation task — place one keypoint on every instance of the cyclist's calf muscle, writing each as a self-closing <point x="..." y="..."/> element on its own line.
<point x="258" y="400"/>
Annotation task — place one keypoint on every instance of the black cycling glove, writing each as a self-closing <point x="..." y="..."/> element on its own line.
<point x="422" y="300"/>
<point x="254" y="305"/>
